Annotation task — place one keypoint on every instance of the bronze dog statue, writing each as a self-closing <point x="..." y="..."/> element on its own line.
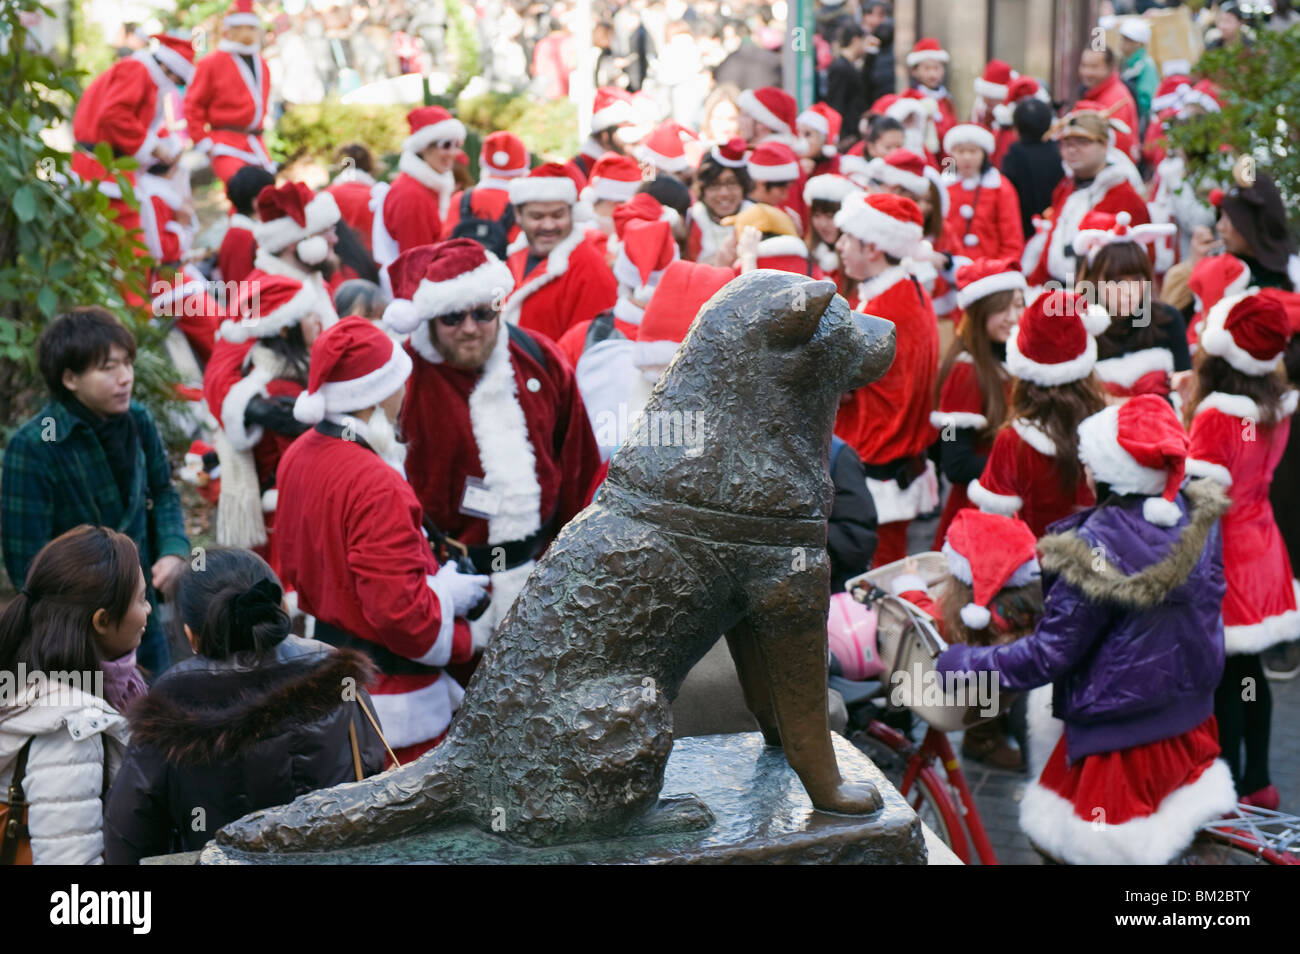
<point x="566" y="727"/>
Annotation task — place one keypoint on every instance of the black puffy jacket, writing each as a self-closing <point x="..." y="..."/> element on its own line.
<point x="215" y="740"/>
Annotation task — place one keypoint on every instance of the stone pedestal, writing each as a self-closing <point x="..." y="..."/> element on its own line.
<point x="763" y="815"/>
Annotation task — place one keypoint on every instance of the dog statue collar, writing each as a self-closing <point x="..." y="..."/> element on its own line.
<point x="674" y="516"/>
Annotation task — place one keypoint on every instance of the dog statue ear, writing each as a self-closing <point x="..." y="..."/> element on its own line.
<point x="799" y="310"/>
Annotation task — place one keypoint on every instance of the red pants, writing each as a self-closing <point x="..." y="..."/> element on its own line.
<point x="409" y="753"/>
<point x="892" y="542"/>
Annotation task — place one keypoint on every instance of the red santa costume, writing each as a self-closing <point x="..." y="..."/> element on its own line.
<point x="888" y="422"/>
<point x="500" y="458"/>
<point x="1052" y="345"/>
<point x="831" y="189"/>
<point x="663" y="149"/>
<point x="235" y="256"/>
<point x="984" y="211"/>
<point x="1231" y="444"/>
<point x="1214" y="278"/>
<point x="353" y="545"/>
<point x="991" y="88"/>
<point x="411" y="211"/>
<point x="183" y="299"/>
<point x="353" y="190"/>
<point x="226" y="103"/>
<point x="571" y="283"/>
<point x="777" y="111"/>
<point x="927" y="49"/>
<point x="708" y="235"/>
<point x="825" y="122"/>
<point x="962" y="404"/>
<point x="163" y="205"/>
<point x="504" y="157"/>
<point x="1113" y="98"/>
<point x="292" y="215"/>
<point x="610" y="109"/>
<point x="243" y="367"/>
<point x="1111" y="190"/>
<point x="1004" y="127"/>
<point x="919" y="117"/>
<point x="775" y="162"/>
<point x="614" y="178"/>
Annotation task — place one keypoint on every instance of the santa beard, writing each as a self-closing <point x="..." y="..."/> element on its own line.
<point x="382" y="437"/>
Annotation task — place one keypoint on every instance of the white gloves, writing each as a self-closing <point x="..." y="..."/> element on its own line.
<point x="463" y="589"/>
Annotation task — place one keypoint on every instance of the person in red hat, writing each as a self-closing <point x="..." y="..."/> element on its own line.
<point x="500" y="450"/>
<point x="662" y="150"/>
<point x="295" y="239"/>
<point x="238" y="247"/>
<point x="1131" y="642"/>
<point x="887" y="422"/>
<point x="611" y="111"/>
<point x="722" y="181"/>
<point x="776" y="180"/>
<point x="414" y="207"/>
<point x="983" y="207"/>
<point x="927" y="62"/>
<point x="1004" y="127"/>
<point x="1100" y="83"/>
<point x="824" y="195"/>
<point x="353" y="187"/>
<point x="1033" y="469"/>
<point x="614" y="180"/>
<point x="991" y="88"/>
<point x="258" y="368"/>
<point x="974" y="384"/>
<point x="352" y="542"/>
<point x="1240" y="419"/>
<point x="560" y="279"/>
<point x="818" y="127"/>
<point x="767" y="114"/>
<point x="226" y="104"/>
<point x="503" y="158"/>
<point x="182" y="298"/>
<point x="1212" y="279"/>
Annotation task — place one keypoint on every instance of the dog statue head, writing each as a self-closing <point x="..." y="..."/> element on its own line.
<point x="741" y="420"/>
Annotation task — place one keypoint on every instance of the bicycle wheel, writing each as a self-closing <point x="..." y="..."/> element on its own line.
<point x="927" y="797"/>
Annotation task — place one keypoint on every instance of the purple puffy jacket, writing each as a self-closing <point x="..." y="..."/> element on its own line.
<point x="1132" y="628"/>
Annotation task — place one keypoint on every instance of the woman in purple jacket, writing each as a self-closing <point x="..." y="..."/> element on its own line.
<point x="1132" y="641"/>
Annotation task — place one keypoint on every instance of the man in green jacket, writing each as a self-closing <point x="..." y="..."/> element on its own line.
<point x="92" y="455"/>
<point x="1138" y="70"/>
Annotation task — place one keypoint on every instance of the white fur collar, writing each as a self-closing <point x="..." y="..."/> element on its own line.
<point x="441" y="183"/>
<point x="146" y="59"/>
<point x="242" y="49"/>
<point x="991" y="179"/>
<point x="274" y="265"/>
<point x="875" y="287"/>
<point x="240" y="221"/>
<point x="592" y="149"/>
<point x="160" y="187"/>
<point x="626" y="310"/>
<point x="1034" y="436"/>
<point x="1238" y="405"/>
<point x="353" y="174"/>
<point x="557" y="263"/>
<point x="941" y="92"/>
<point x="1125" y="369"/>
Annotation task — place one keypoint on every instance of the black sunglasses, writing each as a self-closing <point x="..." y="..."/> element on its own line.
<point x="481" y="316"/>
<point x="448" y="144"/>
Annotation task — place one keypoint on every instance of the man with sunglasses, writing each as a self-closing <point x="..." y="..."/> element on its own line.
<point x="499" y="449"/>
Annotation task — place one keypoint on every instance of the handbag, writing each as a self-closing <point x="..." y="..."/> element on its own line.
<point x="356" y="748"/>
<point x="15" y="840"/>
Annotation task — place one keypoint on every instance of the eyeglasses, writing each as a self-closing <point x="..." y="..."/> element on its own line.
<point x="481" y="316"/>
<point x="724" y="184"/>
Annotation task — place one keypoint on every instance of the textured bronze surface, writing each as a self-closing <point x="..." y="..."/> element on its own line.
<point x="712" y="524"/>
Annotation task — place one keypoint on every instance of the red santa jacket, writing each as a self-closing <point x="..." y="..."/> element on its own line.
<point x="1112" y="90"/>
<point x="1230" y="445"/>
<point x="626" y="319"/>
<point x="1003" y="137"/>
<point x="238" y="247"/>
<point x="570" y="285"/>
<point x="1111" y="191"/>
<point x="225" y="106"/>
<point x="947" y="117"/>
<point x="352" y="196"/>
<point x="123" y="108"/>
<point x="415" y="205"/>
<point x="1146" y="371"/>
<point x="351" y="543"/>
<point x="890" y="418"/>
<point x="1021" y="478"/>
<point x="488" y="200"/>
<point x="984" y="217"/>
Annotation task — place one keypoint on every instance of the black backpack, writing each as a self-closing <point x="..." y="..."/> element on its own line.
<point x="492" y="234"/>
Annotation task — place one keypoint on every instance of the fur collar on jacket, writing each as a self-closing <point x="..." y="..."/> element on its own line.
<point x="1071" y="556"/>
<point x="206" y="716"/>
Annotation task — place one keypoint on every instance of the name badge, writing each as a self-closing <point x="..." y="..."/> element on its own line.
<point x="479" y="500"/>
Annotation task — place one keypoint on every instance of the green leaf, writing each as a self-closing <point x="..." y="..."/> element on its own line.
<point x="25" y="204"/>
<point x="46" y="301"/>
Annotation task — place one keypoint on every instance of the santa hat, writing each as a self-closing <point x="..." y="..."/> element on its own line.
<point x="1022" y="87"/>
<point x="730" y="153"/>
<point x="1097" y="229"/>
<point x="902" y="168"/>
<point x="549" y="182"/>
<point x="912" y="102"/>
<point x="241" y="13"/>
<point x="1205" y="95"/>
<point x="176" y="52"/>
<point x="1136" y="29"/>
<point x="267" y="306"/>
<point x="645" y="244"/>
<point x="186" y="294"/>
<point x="682" y="291"/>
<point x="988" y="276"/>
<point x="783" y="253"/>
<point x="354" y="366"/>
<point x="773" y="162"/>
<point x="614" y="178"/>
<point x="1171" y="92"/>
<point x="292" y="213"/>
<point x="881" y="106"/>
<point x="430" y="124"/>
<point x="611" y="107"/>
<point x="1249" y="331"/>
<point x="504" y="155"/>
<point x="1053" y="342"/>
<point x="1138" y="447"/>
<point x="828" y="188"/>
<point x="452" y="276"/>
<point x="926" y="49"/>
<point x="968" y="134"/>
<point x="989" y="552"/>
<point x="1215" y="277"/>
<point x="773" y="107"/>
<point x="824" y="120"/>
<point x="663" y="149"/>
<point x="1176" y="67"/>
<point x="996" y="80"/>
<point x="858" y="170"/>
<point x="892" y="223"/>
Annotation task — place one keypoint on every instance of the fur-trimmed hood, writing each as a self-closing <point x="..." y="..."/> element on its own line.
<point x="1079" y="554"/>
<point x="202" y="715"/>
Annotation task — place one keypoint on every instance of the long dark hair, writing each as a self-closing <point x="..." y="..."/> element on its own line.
<point x="290" y="346"/>
<point x="1215" y="374"/>
<point x="1123" y="261"/>
<point x="973" y="338"/>
<point x="352" y="252"/>
<point x="231" y="603"/>
<point x="1058" y="411"/>
<point x="48" y="627"/>
<point x="1018" y="610"/>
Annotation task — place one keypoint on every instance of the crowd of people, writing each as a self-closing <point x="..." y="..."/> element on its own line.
<point x="406" y="389"/>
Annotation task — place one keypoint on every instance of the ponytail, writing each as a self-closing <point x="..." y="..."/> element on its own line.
<point x="232" y="605"/>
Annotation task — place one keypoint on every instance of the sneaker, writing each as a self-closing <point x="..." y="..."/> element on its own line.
<point x="1282" y="662"/>
<point x="1264" y="798"/>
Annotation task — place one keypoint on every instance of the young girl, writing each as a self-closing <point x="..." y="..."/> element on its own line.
<point x="256" y="719"/>
<point x="1034" y="469"/>
<point x="824" y="195"/>
<point x="983" y="207"/>
<point x="80" y="614"/>
<point x="1240" y="421"/>
<point x="1146" y="342"/>
<point x="723" y="182"/>
<point x="975" y="386"/>
<point x="1131" y="641"/>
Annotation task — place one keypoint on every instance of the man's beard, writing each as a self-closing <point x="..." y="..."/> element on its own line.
<point x="382" y="437"/>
